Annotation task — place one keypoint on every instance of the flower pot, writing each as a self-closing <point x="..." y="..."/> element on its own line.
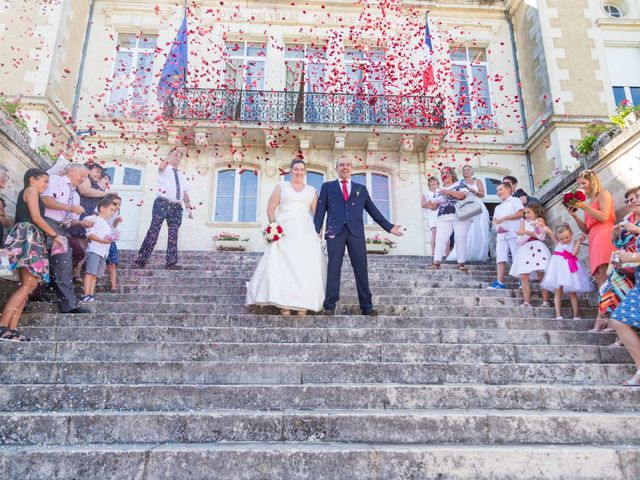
<point x="377" y="248"/>
<point x="230" y="245"/>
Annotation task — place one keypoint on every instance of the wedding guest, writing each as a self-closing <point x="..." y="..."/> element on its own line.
<point x="432" y="215"/>
<point x="533" y="255"/>
<point x="478" y="237"/>
<point x="99" y="236"/>
<point x="565" y="273"/>
<point x="599" y="218"/>
<point x="63" y="210"/>
<point x="105" y="181"/>
<point x="173" y="188"/>
<point x="515" y="191"/>
<point x="623" y="236"/>
<point x="26" y="243"/>
<point x="113" y="258"/>
<point x="626" y="318"/>
<point x="90" y="192"/>
<point x="506" y="221"/>
<point x="447" y="223"/>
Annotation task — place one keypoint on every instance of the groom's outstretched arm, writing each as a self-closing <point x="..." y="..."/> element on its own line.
<point x="321" y="208"/>
<point x="377" y="216"/>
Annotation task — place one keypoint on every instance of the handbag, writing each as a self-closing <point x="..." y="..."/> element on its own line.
<point x="467" y="208"/>
<point x="6" y="272"/>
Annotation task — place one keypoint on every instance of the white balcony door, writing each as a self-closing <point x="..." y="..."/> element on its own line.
<point x="127" y="181"/>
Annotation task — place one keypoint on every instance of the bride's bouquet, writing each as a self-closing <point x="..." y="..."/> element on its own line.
<point x="273" y="232"/>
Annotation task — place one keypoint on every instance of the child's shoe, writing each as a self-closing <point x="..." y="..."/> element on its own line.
<point x="496" y="286"/>
<point x="88" y="298"/>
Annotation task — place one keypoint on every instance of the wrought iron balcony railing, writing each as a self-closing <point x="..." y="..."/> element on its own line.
<point x="305" y="108"/>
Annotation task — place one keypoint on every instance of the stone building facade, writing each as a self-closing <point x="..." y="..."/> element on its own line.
<point x="317" y="79"/>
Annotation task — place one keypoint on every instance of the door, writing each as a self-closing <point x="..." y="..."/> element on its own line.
<point x="127" y="181"/>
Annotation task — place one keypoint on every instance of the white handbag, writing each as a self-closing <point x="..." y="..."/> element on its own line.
<point x="467" y="208"/>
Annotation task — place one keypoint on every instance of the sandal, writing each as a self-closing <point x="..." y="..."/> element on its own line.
<point x="463" y="268"/>
<point x="302" y="312"/>
<point x="285" y="311"/>
<point x="19" y="337"/>
<point x="5" y="333"/>
<point x="633" y="381"/>
<point x="434" y="266"/>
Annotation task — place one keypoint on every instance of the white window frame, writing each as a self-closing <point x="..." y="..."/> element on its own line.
<point x="236" y="196"/>
<point x="307" y="59"/>
<point x="627" y="92"/>
<point x="246" y="59"/>
<point x="128" y="107"/>
<point x="469" y="64"/>
<point x="367" y="65"/>
<point x="369" y="184"/>
<point x="611" y="5"/>
<point x="118" y="177"/>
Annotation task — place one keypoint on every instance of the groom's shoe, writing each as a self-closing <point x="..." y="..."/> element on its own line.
<point x="328" y="311"/>
<point x="370" y="313"/>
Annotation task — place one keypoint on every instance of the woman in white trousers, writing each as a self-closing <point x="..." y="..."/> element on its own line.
<point x="448" y="222"/>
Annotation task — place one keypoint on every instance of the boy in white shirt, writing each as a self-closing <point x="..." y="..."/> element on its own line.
<point x="99" y="242"/>
<point x="506" y="221"/>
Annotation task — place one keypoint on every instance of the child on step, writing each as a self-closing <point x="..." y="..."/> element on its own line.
<point x="506" y="220"/>
<point x="565" y="273"/>
<point x="533" y="255"/>
<point x="113" y="258"/>
<point x="99" y="236"/>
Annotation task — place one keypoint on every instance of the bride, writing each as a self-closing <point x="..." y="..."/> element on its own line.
<point x="478" y="237"/>
<point x="292" y="272"/>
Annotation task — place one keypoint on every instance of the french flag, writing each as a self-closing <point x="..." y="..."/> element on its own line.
<point x="427" y="76"/>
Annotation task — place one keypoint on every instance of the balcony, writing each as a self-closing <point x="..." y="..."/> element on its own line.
<point x="278" y="107"/>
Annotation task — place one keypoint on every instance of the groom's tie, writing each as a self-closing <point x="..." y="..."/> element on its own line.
<point x="345" y="192"/>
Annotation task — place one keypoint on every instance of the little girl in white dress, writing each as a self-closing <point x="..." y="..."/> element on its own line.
<point x="533" y="255"/>
<point x="566" y="274"/>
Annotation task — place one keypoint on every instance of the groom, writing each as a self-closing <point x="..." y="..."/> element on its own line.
<point x="344" y="202"/>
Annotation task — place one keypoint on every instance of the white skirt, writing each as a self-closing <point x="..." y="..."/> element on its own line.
<point x="558" y="275"/>
<point x="531" y="257"/>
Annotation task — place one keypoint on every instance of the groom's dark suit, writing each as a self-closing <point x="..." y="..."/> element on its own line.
<point x="345" y="227"/>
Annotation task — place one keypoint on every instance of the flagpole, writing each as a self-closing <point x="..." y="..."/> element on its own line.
<point x="186" y="70"/>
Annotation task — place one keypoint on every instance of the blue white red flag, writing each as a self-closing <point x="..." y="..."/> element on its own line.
<point x="427" y="76"/>
<point x="174" y="72"/>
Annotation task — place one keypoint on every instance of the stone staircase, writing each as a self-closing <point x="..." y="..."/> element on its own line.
<point x="173" y="377"/>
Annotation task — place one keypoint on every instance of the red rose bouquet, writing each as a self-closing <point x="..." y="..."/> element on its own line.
<point x="273" y="232"/>
<point x="573" y="197"/>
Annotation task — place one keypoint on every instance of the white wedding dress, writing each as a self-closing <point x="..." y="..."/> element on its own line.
<point x="478" y="237"/>
<point x="292" y="271"/>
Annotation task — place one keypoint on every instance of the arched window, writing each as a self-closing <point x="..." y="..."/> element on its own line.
<point x="379" y="190"/>
<point x="236" y="196"/>
<point x="315" y="179"/>
<point x="614" y="9"/>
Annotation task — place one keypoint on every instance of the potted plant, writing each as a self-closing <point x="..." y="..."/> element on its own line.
<point x="379" y="245"/>
<point x="230" y="242"/>
<point x="626" y="114"/>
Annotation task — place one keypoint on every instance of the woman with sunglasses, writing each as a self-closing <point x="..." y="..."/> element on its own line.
<point x="445" y="203"/>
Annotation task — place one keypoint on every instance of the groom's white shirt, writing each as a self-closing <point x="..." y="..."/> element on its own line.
<point x="348" y="185"/>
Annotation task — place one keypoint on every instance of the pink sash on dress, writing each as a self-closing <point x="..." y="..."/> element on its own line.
<point x="570" y="258"/>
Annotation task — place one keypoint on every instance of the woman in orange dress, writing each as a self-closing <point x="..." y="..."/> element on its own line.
<point x="599" y="219"/>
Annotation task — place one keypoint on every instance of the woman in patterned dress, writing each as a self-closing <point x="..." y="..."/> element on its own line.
<point x="26" y="244"/>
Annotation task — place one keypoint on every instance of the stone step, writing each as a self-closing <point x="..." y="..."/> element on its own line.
<point x="320" y="461"/>
<point x="469" y="299"/>
<point x="247" y="372"/>
<point x="59" y="398"/>
<point x="439" y="311"/>
<point x="309" y="352"/>
<point x="483" y="427"/>
<point x="315" y="335"/>
<point x="374" y="274"/>
<point x="346" y="282"/>
<point x="244" y="320"/>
